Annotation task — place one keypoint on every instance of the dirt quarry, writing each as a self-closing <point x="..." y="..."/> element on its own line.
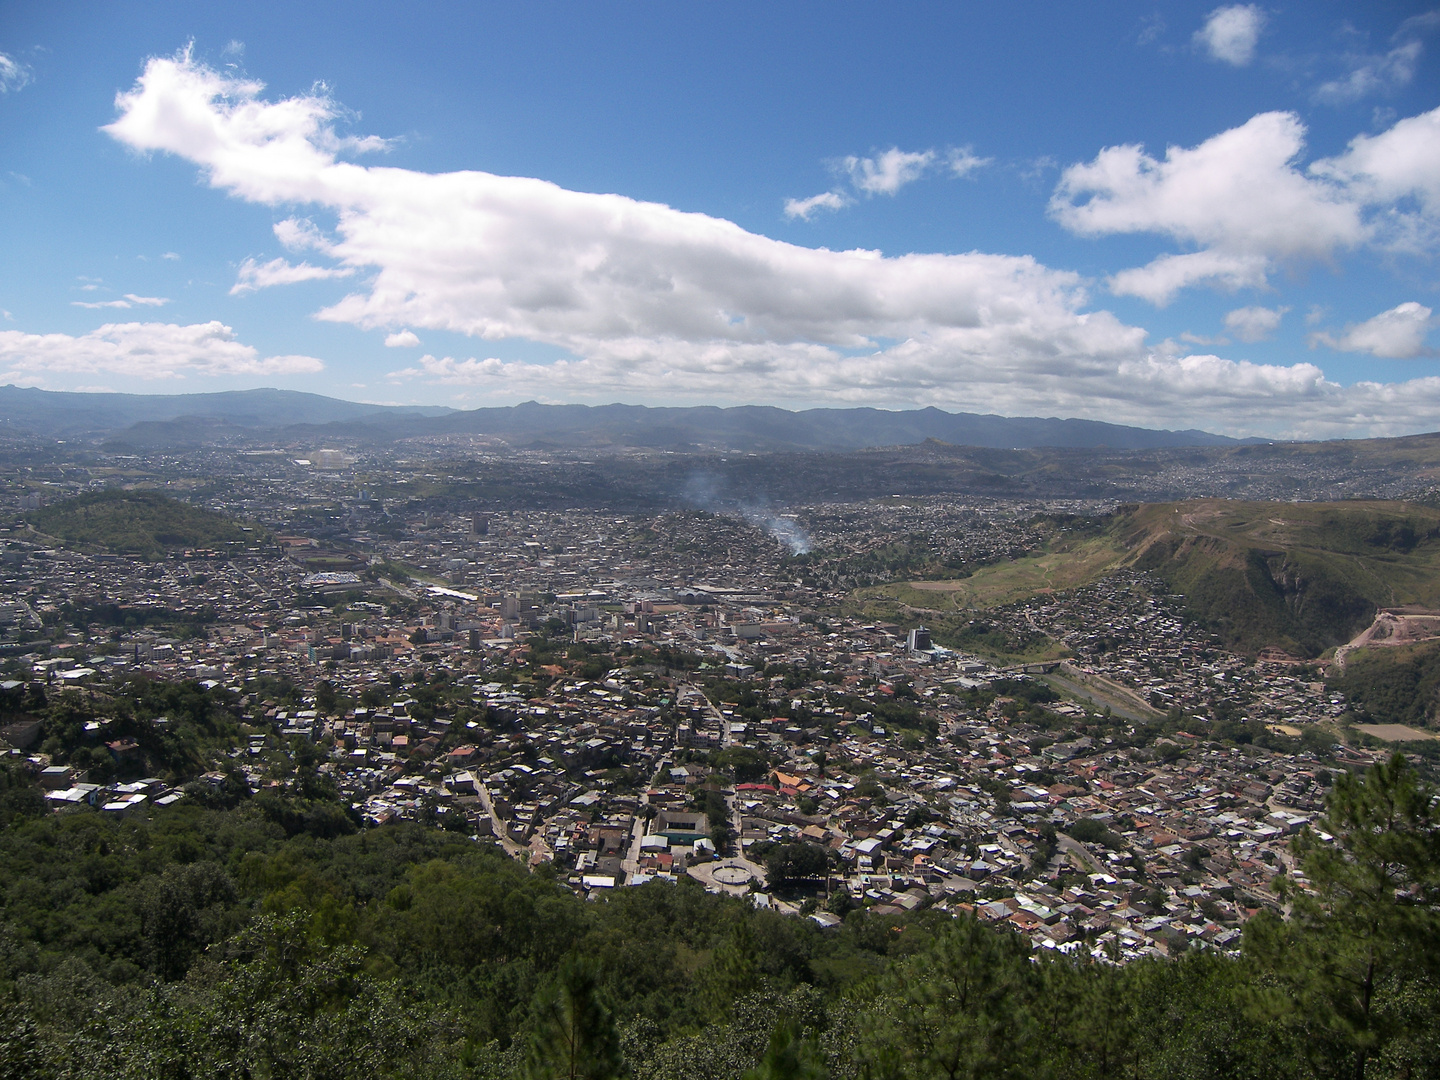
<point x="1393" y="626"/>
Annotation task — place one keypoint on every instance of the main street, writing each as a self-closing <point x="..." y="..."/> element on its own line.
<point x="631" y="863"/>
<point x="501" y="830"/>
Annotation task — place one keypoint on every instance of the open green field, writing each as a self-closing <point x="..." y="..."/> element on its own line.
<point x="1007" y="582"/>
<point x="1395" y="732"/>
<point x="957" y="630"/>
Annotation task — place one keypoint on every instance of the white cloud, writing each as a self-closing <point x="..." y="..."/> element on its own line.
<point x="300" y="234"/>
<point x="964" y="161"/>
<point x="452" y="372"/>
<point x="1231" y="33"/>
<point x="1381" y="73"/>
<point x="262" y="152"/>
<point x="1397" y="334"/>
<point x="887" y="173"/>
<point x="13" y="74"/>
<point x="171" y="256"/>
<point x="1152" y="26"/>
<point x="500" y="257"/>
<point x="803" y="208"/>
<point x="1244" y="200"/>
<point x="1373" y="74"/>
<point x="130" y="300"/>
<point x="141" y="351"/>
<point x="1159" y="280"/>
<point x="1252" y="324"/>
<point x="1423" y="23"/>
<point x="253" y="275"/>
<point x="1398" y="171"/>
<point x="653" y="304"/>
<point x="1192" y="339"/>
<point x="402" y="339"/>
<point x="1239" y="190"/>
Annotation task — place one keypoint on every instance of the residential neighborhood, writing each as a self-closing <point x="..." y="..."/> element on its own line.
<point x="626" y="698"/>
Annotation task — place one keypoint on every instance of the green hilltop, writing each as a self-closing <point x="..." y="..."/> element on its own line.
<point x="1303" y="577"/>
<point x="144" y="523"/>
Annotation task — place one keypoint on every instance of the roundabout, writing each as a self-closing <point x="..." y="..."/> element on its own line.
<point x="731" y="875"/>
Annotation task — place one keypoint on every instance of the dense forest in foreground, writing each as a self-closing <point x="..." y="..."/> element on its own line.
<point x="248" y="941"/>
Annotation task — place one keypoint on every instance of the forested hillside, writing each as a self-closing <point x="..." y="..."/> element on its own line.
<point x="1304" y="577"/>
<point x="140" y="523"/>
<point x="248" y="942"/>
<point x="1396" y="685"/>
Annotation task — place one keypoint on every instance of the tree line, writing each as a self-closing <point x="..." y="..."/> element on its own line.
<point x="209" y="942"/>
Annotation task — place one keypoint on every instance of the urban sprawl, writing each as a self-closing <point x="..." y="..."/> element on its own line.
<point x="632" y="697"/>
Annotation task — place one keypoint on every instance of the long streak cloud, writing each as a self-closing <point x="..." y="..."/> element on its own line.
<point x="653" y="303"/>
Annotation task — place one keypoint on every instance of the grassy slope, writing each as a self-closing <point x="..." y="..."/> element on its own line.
<point x="1066" y="566"/>
<point x="139" y="523"/>
<point x="1395" y="684"/>
<point x="1300" y="576"/>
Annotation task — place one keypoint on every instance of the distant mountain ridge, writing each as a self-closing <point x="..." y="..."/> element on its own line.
<point x="763" y="427"/>
<point x="63" y="414"/>
<point x="152" y="419"/>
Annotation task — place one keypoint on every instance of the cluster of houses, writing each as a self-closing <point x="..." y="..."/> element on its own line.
<point x="733" y="713"/>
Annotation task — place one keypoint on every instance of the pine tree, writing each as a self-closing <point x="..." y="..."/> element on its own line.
<point x="731" y="973"/>
<point x="790" y="1056"/>
<point x="575" y="1037"/>
<point x="1364" y="933"/>
<point x="961" y="1009"/>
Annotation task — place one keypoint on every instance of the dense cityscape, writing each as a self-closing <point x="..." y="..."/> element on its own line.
<point x="630" y="697"/>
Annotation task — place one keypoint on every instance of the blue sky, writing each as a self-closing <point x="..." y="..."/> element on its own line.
<point x="1171" y="215"/>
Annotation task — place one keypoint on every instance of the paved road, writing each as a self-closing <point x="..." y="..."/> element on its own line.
<point x="631" y="863"/>
<point x="1095" y="697"/>
<point x="387" y="583"/>
<point x="1075" y="849"/>
<point x="687" y="691"/>
<point x="727" y="738"/>
<point x="259" y="589"/>
<point x="502" y="833"/>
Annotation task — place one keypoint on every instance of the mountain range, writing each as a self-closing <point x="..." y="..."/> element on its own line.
<point x="190" y="419"/>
